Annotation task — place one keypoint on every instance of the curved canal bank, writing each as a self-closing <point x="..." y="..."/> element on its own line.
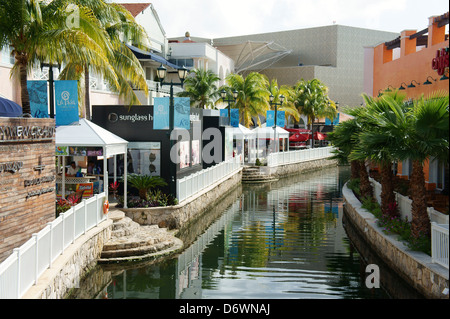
<point x="277" y="240"/>
<point x="416" y="268"/>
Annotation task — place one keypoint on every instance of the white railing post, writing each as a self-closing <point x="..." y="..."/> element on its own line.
<point x="36" y="257"/>
<point x="50" y="247"/>
<point x="17" y="251"/>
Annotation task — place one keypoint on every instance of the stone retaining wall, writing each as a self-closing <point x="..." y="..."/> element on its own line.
<point x="289" y="169"/>
<point x="67" y="270"/>
<point x="416" y="268"/>
<point x="179" y="215"/>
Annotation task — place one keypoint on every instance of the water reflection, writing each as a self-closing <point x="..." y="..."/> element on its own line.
<point x="279" y="240"/>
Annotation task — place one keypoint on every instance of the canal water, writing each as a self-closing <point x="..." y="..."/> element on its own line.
<point x="277" y="240"/>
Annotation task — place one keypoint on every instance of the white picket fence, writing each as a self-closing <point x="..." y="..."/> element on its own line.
<point x="23" y="267"/>
<point x="439" y="244"/>
<point x="439" y="224"/>
<point x="291" y="157"/>
<point x="195" y="183"/>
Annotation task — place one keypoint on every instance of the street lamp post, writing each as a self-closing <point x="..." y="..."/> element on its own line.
<point x="272" y="103"/>
<point x="223" y="94"/>
<point x="182" y="74"/>
<point x="51" y="84"/>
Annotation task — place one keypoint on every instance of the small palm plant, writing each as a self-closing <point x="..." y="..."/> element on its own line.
<point x="144" y="183"/>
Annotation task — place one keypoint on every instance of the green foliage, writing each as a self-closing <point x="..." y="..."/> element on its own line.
<point x="353" y="184"/>
<point x="396" y="225"/>
<point x="144" y="183"/>
<point x="200" y="87"/>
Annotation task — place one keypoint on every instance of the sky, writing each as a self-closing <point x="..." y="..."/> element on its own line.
<point x="226" y="18"/>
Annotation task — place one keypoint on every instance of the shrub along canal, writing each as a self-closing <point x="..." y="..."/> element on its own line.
<point x="277" y="240"/>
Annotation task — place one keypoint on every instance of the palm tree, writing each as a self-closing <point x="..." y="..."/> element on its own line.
<point x="383" y="121"/>
<point x="144" y="183"/>
<point x="345" y="139"/>
<point x="288" y="106"/>
<point x="427" y="134"/>
<point x="201" y="88"/>
<point x="38" y="32"/>
<point x="252" y="99"/>
<point x="311" y="99"/>
<point x="121" y="69"/>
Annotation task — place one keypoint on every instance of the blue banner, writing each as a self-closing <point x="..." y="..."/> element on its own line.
<point x="182" y="112"/>
<point x="270" y="118"/>
<point x="66" y="102"/>
<point x="161" y="113"/>
<point x="37" y="91"/>
<point x="335" y="121"/>
<point x="234" y="118"/>
<point x="280" y="118"/>
<point x="224" y="112"/>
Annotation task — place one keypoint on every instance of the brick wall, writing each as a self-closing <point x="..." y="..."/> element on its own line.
<point x="27" y="179"/>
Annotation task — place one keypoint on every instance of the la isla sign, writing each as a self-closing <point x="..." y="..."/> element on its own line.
<point x="441" y="61"/>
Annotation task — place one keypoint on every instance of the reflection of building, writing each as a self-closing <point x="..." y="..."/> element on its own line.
<point x="406" y="63"/>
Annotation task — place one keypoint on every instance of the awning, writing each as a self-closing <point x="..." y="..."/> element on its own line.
<point x="145" y="55"/>
<point x="9" y="108"/>
<point x="298" y="137"/>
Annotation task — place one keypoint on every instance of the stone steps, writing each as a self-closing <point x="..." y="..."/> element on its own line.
<point x="131" y="241"/>
<point x="254" y="175"/>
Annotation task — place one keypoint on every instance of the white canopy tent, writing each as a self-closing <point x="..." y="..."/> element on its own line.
<point x="241" y="134"/>
<point x="88" y="134"/>
<point x="264" y="133"/>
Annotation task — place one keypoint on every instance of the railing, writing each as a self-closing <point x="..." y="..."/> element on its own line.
<point x="439" y="244"/>
<point x="195" y="183"/>
<point x="291" y="157"/>
<point x="439" y="224"/>
<point x="23" y="267"/>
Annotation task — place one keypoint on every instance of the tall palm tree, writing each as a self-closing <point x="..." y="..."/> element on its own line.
<point x="121" y="69"/>
<point x="288" y="105"/>
<point x="38" y="32"/>
<point x="311" y="99"/>
<point x="252" y="99"/>
<point x="427" y="134"/>
<point x="201" y="88"/>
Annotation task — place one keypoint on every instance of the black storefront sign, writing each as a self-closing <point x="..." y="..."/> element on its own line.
<point x="135" y="124"/>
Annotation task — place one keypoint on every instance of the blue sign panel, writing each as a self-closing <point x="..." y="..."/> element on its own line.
<point x="280" y="118"/>
<point x="37" y="90"/>
<point x="224" y="112"/>
<point x="270" y="118"/>
<point x="335" y="121"/>
<point x="66" y="102"/>
<point x="234" y="117"/>
<point x="161" y="113"/>
<point x="182" y="112"/>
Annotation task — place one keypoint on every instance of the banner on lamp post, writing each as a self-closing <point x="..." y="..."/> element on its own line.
<point x="270" y="118"/>
<point x="66" y="102"/>
<point x="182" y="112"/>
<point x="234" y="117"/>
<point x="280" y="118"/>
<point x="161" y="113"/>
<point x="37" y="91"/>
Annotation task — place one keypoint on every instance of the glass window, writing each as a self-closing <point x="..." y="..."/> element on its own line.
<point x="144" y="158"/>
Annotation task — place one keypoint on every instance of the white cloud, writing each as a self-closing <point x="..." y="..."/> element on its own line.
<point x="217" y="18"/>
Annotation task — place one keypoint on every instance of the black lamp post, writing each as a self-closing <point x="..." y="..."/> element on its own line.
<point x="182" y="74"/>
<point x="223" y="94"/>
<point x="51" y="84"/>
<point x="272" y="103"/>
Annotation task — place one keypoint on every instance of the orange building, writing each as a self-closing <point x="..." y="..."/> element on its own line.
<point x="416" y="62"/>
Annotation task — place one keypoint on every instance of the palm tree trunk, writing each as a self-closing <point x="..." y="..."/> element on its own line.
<point x="23" y="60"/>
<point x="87" y="102"/>
<point x="387" y="187"/>
<point x="420" y="223"/>
<point x="365" y="188"/>
<point x="355" y="168"/>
